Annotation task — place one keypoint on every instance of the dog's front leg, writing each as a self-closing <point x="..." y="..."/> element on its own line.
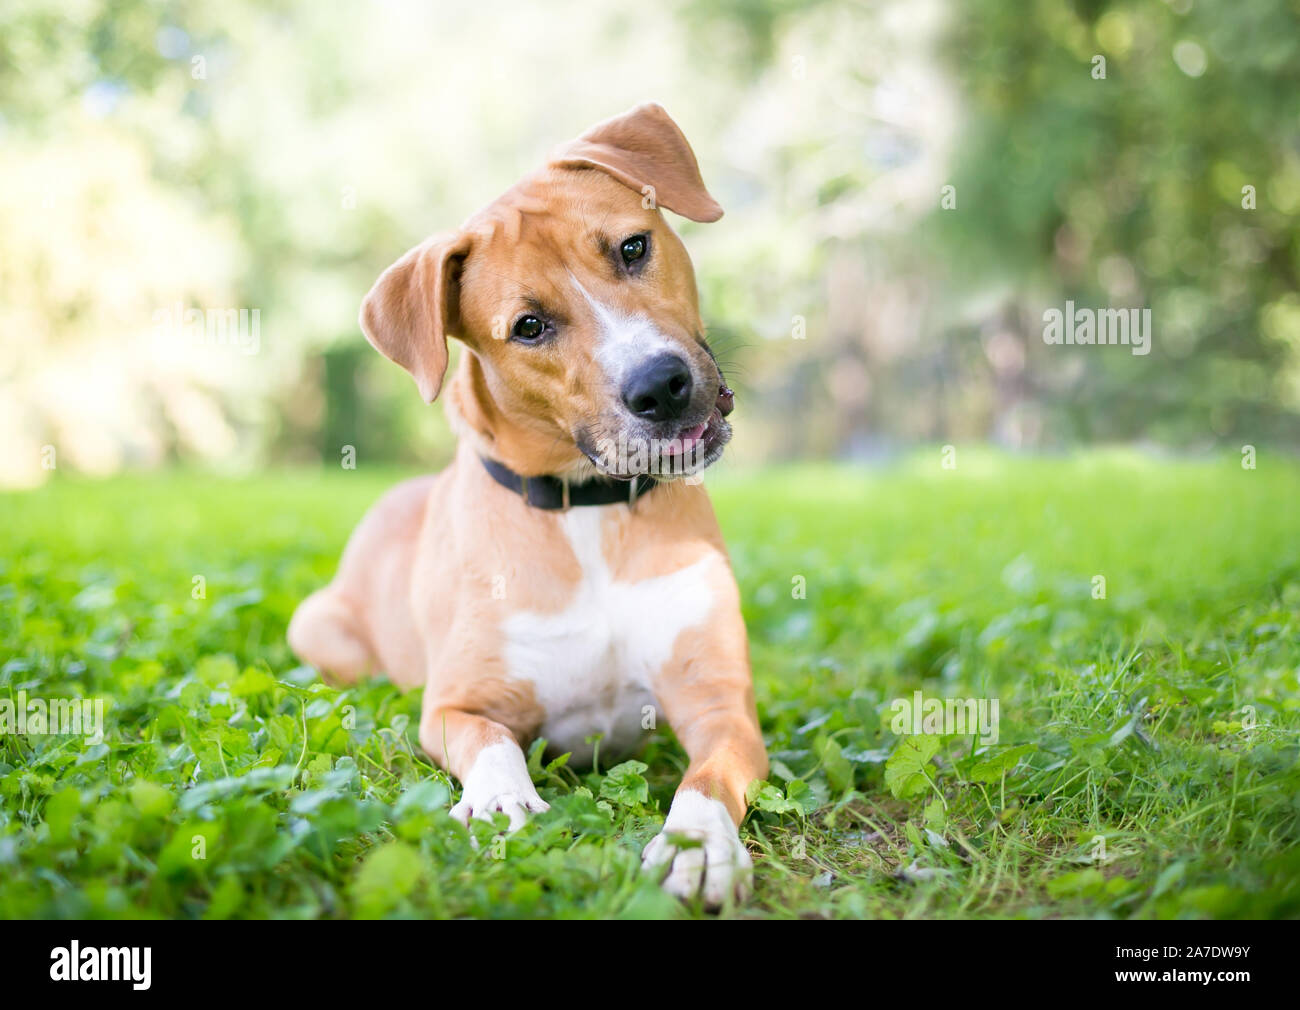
<point x="709" y="701"/>
<point x="486" y="758"/>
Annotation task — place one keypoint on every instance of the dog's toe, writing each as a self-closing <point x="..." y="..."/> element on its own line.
<point x="714" y="872"/>
<point x="699" y="853"/>
<point x="498" y="782"/>
<point x="483" y="808"/>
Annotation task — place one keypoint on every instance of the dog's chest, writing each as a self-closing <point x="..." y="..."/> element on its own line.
<point x="592" y="665"/>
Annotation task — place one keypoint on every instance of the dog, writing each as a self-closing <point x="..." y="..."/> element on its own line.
<point x="565" y="576"/>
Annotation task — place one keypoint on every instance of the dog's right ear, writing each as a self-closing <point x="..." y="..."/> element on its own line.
<point x="413" y="307"/>
<point x="645" y="151"/>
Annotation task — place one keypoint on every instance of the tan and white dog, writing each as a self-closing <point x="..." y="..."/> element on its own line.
<point x="532" y="587"/>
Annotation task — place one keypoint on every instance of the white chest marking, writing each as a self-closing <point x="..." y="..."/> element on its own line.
<point x="592" y="665"/>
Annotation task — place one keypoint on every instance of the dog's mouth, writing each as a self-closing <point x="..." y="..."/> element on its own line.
<point x="689" y="449"/>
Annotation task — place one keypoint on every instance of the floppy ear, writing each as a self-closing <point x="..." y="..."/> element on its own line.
<point x="644" y="148"/>
<point x="413" y="307"/>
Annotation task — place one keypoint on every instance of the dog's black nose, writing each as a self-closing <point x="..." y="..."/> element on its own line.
<point x="658" y="389"/>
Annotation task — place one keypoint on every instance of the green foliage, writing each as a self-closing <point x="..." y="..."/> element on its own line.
<point x="1146" y="763"/>
<point x="907" y="770"/>
<point x="625" y="786"/>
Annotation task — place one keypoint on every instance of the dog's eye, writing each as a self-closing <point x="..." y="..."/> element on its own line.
<point x="528" y="328"/>
<point x="632" y="249"/>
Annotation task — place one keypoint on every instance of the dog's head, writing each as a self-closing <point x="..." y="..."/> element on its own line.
<point x="578" y="305"/>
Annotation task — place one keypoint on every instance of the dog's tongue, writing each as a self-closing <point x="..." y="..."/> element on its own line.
<point x="685" y="442"/>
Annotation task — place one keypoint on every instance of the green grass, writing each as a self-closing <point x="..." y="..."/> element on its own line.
<point x="1163" y="717"/>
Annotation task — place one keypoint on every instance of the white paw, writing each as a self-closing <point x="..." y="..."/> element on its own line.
<point x="717" y="868"/>
<point x="498" y="782"/>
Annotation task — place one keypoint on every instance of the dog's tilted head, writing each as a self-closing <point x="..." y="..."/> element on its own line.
<point x="578" y="305"/>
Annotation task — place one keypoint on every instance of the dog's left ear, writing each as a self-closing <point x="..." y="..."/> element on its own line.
<point x="644" y="150"/>
<point x="413" y="308"/>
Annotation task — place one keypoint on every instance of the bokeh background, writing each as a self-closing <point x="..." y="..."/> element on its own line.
<point x="274" y="157"/>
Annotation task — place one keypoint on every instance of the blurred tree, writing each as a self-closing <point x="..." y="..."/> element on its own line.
<point x="1172" y="183"/>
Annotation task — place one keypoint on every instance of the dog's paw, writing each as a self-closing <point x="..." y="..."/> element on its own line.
<point x="514" y="805"/>
<point x="498" y="782"/>
<point x="716" y="867"/>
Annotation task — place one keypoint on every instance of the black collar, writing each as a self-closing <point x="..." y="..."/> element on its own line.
<point x="548" y="492"/>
